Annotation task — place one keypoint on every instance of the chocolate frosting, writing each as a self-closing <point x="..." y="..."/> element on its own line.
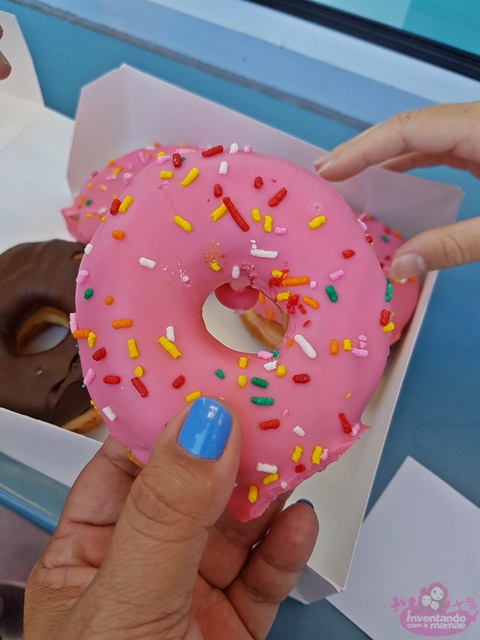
<point x="46" y="385"/>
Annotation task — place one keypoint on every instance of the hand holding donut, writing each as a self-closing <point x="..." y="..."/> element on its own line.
<point x="154" y="554"/>
<point x="5" y="67"/>
<point x="445" y="134"/>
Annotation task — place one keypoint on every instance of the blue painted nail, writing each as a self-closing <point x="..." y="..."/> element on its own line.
<point x="206" y="429"/>
<point x="305" y="501"/>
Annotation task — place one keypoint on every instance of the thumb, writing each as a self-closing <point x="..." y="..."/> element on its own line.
<point x="161" y="534"/>
<point x="439" y="248"/>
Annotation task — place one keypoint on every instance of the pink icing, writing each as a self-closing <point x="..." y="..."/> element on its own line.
<point x="311" y="387"/>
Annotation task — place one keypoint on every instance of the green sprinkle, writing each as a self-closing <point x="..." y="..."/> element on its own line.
<point x="332" y="294"/>
<point x="88" y="203"/>
<point x="384" y="238"/>
<point x="276" y="353"/>
<point x="388" y="295"/>
<point x="84" y="386"/>
<point x="183" y="158"/>
<point x="259" y="382"/>
<point x="88" y="294"/>
<point x="220" y="374"/>
<point x="264" y="401"/>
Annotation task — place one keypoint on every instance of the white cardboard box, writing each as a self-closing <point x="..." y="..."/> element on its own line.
<point x="127" y="109"/>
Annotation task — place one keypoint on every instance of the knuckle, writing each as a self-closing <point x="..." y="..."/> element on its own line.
<point x="453" y="253"/>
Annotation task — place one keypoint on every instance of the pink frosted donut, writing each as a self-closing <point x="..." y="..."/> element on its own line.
<point x="247" y="220"/>
<point x="405" y="292"/>
<point x="92" y="204"/>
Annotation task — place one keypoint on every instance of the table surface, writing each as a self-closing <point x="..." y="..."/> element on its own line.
<point x="436" y="419"/>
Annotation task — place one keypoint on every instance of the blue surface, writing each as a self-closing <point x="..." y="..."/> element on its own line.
<point x="436" y="420"/>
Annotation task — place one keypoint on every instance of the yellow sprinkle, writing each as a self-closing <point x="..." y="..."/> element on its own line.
<point x="118" y="235"/>
<point x="270" y="478"/>
<point x="389" y="327"/>
<point x="103" y="218"/>
<point x="316" y="453"/>
<point x="81" y="333"/>
<point x="109" y="300"/>
<point x="116" y="171"/>
<point x="102" y="187"/>
<point x="218" y="213"/>
<point x="89" y="185"/>
<point x="132" y="348"/>
<point x="348" y="395"/>
<point x="126" y="202"/>
<point x="242" y="381"/>
<point x="277" y="274"/>
<point x="169" y="347"/>
<point x="311" y="302"/>
<point x="214" y="266"/>
<point x="184" y="224"/>
<point x="284" y="295"/>
<point x="166" y="175"/>
<point x="193" y="396"/>
<point x="242" y="363"/>
<point x="256" y="215"/>
<point x="334" y="347"/>
<point x="281" y="370"/>
<point x="252" y="493"/>
<point x="89" y="215"/>
<point x="294" y="282"/>
<point x="317" y="222"/>
<point x="267" y="224"/>
<point x="121" y="324"/>
<point x="347" y="345"/>
<point x="297" y="453"/>
<point x="160" y="154"/>
<point x="138" y="372"/>
<point x="190" y="177"/>
<point x="91" y="339"/>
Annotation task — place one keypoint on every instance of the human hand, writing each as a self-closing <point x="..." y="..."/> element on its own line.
<point x="5" y="67"/>
<point x="445" y="134"/>
<point x="155" y="554"/>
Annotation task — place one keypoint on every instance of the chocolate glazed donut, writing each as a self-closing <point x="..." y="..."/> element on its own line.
<point x="37" y="285"/>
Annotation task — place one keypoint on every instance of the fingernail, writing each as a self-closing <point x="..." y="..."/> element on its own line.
<point x="407" y="265"/>
<point x="205" y="430"/>
<point x="305" y="501"/>
<point x="323" y="164"/>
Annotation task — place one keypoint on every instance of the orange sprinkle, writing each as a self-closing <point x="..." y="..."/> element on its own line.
<point x="270" y="314"/>
<point x="81" y="333"/>
<point x="118" y="235"/>
<point x="397" y="234"/>
<point x="261" y="297"/>
<point x="109" y="300"/>
<point x="122" y="324"/>
<point x="290" y="343"/>
<point x="334" y="347"/>
<point x="311" y="302"/>
<point x="294" y="282"/>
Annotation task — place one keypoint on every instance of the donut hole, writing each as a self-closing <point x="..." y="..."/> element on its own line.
<point x="246" y="332"/>
<point x="44" y="329"/>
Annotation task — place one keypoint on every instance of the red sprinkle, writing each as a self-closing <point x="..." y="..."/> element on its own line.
<point x="99" y="354"/>
<point x="347" y="427"/>
<point x="177" y="160"/>
<point x="348" y="253"/>
<point x="307" y="323"/>
<point x="212" y="151"/>
<point x="258" y="182"/>
<point x="369" y="239"/>
<point x="236" y="215"/>
<point x="302" y="309"/>
<point x="301" y="378"/>
<point x="140" y="387"/>
<point x="384" y="317"/>
<point x="217" y="190"/>
<point x="178" y="382"/>
<point x="115" y="206"/>
<point x="270" y="424"/>
<point x="112" y="379"/>
<point x="300" y="468"/>
<point x="277" y="198"/>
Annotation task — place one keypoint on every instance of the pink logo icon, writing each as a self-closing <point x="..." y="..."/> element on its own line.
<point x="432" y="615"/>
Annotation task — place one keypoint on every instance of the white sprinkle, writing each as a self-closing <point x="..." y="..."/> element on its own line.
<point x="102" y="210"/>
<point x="306" y="347"/>
<point x="82" y="276"/>
<point x="313" y="284"/>
<point x="89" y="376"/>
<point x="299" y="431"/>
<point x="146" y="262"/>
<point x="267" y="468"/>
<point x="170" y="334"/>
<point x="402" y="281"/>
<point x="247" y="149"/>
<point x="143" y="157"/>
<point x="127" y="178"/>
<point x="285" y="413"/>
<point x="184" y="278"/>
<point x="270" y="366"/>
<point x="183" y="150"/>
<point x="262" y="253"/>
<point x="336" y="275"/>
<point x="162" y="159"/>
<point x="109" y="413"/>
<point x="362" y="337"/>
<point x="355" y="429"/>
<point x="324" y="455"/>
<point x="284" y="484"/>
<point x="73" y="322"/>
<point x="223" y="167"/>
<point x="362" y="344"/>
<point x="234" y="147"/>
<point x="265" y="355"/>
<point x="362" y="224"/>
<point x="280" y="231"/>
<point x="359" y="353"/>
<point x="235" y="272"/>
<point x="88" y="249"/>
